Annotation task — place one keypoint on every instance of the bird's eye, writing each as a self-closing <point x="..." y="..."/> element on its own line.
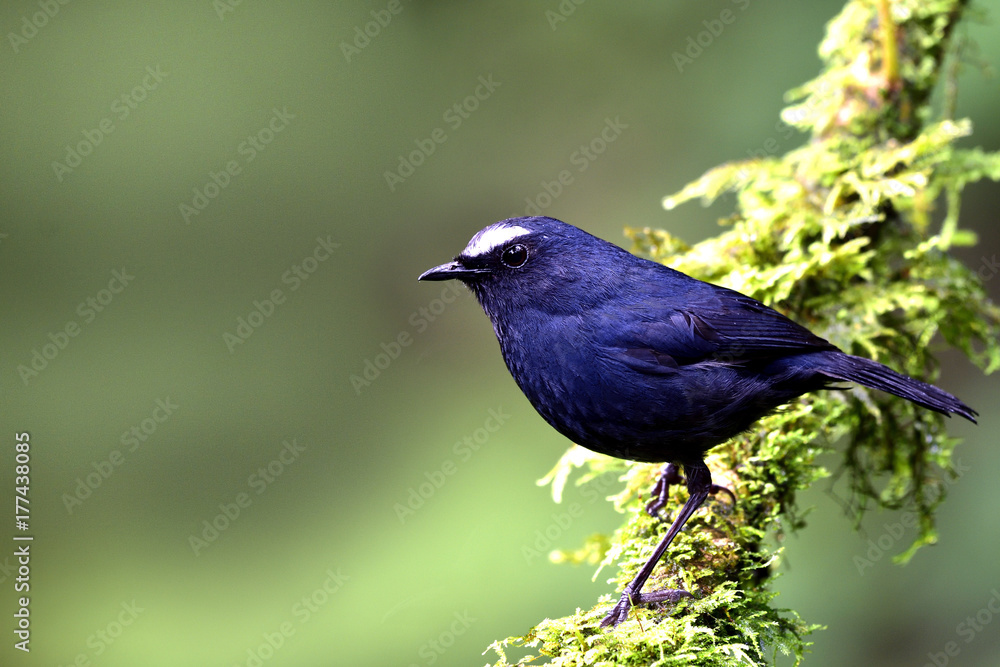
<point x="514" y="256"/>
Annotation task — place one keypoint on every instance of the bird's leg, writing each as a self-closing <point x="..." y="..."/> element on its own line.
<point x="671" y="475"/>
<point x="699" y="484"/>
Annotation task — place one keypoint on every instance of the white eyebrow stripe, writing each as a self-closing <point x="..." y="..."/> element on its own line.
<point x="491" y="237"/>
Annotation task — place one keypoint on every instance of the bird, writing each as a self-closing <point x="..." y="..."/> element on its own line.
<point x="635" y="360"/>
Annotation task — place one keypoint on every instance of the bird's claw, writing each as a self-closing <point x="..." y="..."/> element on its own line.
<point x="671" y="475"/>
<point x="620" y="611"/>
<point x="715" y="488"/>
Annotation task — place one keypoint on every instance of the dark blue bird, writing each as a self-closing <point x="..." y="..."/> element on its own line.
<point x="632" y="359"/>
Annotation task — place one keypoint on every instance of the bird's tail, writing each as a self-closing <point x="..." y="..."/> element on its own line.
<point x="841" y="366"/>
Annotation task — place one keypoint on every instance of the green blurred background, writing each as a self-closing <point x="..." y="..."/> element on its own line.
<point x="320" y="567"/>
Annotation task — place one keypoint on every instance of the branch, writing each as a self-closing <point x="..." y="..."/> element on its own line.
<point x="836" y="235"/>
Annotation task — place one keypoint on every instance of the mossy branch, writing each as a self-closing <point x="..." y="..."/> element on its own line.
<point x="838" y="235"/>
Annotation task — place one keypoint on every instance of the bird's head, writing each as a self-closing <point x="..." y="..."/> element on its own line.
<point x="534" y="261"/>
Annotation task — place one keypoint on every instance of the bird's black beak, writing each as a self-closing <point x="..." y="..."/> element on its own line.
<point x="452" y="271"/>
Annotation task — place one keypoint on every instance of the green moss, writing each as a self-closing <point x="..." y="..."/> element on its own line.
<point x="838" y="235"/>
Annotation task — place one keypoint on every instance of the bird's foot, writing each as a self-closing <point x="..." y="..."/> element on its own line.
<point x="671" y="475"/>
<point x="715" y="488"/>
<point x="628" y="600"/>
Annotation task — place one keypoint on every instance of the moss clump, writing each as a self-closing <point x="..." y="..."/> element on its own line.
<point x="838" y="235"/>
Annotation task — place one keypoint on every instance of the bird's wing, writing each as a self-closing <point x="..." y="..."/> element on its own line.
<point x="736" y="323"/>
<point x="659" y="335"/>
